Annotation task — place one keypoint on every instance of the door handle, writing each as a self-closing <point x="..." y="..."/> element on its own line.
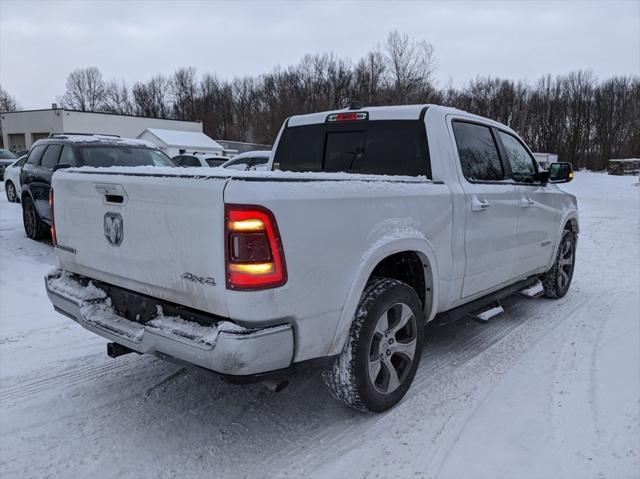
<point x="526" y="203"/>
<point x="479" y="205"/>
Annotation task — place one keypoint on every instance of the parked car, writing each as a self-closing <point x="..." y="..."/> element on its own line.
<point x="629" y="166"/>
<point x="6" y="158"/>
<point x="336" y="262"/>
<point x="68" y="150"/>
<point x="12" y="180"/>
<point x="250" y="160"/>
<point x="198" y="159"/>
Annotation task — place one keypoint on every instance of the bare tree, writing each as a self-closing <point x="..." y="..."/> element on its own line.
<point x="7" y="102"/>
<point x="368" y="84"/>
<point x="153" y="97"/>
<point x="184" y="88"/>
<point x="85" y="90"/>
<point x="117" y="98"/>
<point x="410" y="67"/>
<point x="583" y="120"/>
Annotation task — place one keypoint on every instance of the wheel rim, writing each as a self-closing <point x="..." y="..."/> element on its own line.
<point x="393" y="348"/>
<point x="29" y="219"/>
<point x="11" y="191"/>
<point x="565" y="264"/>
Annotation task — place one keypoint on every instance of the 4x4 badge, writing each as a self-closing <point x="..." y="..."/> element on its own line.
<point x="113" y="228"/>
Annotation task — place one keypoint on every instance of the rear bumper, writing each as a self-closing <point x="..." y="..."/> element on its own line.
<point x="220" y="346"/>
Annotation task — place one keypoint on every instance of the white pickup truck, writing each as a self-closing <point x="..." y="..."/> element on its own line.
<point x="368" y="224"/>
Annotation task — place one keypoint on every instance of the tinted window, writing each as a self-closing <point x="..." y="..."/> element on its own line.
<point x="50" y="157"/>
<point x="35" y="154"/>
<point x="522" y="168"/>
<point x="478" y="152"/>
<point x="215" y="161"/>
<point x="187" y="161"/>
<point x="67" y="157"/>
<point x="344" y="150"/>
<point x="123" y="156"/>
<point x="7" y="155"/>
<point x="384" y="147"/>
<point x="241" y="164"/>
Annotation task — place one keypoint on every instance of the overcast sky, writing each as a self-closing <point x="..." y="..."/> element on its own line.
<point x="41" y="42"/>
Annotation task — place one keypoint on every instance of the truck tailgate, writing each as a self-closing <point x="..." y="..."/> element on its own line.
<point x="160" y="235"/>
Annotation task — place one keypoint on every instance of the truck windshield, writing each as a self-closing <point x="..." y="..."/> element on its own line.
<point x="108" y="155"/>
<point x="379" y="147"/>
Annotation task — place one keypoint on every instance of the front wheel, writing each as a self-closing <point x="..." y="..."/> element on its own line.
<point x="557" y="280"/>
<point x="382" y="353"/>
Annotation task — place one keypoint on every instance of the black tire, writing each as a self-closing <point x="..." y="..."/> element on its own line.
<point x="349" y="379"/>
<point x="557" y="280"/>
<point x="10" y="190"/>
<point x="33" y="225"/>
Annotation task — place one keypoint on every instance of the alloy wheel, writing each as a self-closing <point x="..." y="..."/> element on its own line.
<point x="393" y="348"/>
<point x="565" y="264"/>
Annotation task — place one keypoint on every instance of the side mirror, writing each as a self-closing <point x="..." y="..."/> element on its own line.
<point x="60" y="167"/>
<point x="560" y="173"/>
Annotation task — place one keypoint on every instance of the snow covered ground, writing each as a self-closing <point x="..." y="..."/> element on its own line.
<point x="548" y="389"/>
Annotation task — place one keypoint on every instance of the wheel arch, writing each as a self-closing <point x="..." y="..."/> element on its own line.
<point x="571" y="223"/>
<point x="383" y="257"/>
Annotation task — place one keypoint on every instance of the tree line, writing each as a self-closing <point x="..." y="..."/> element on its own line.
<point x="584" y="120"/>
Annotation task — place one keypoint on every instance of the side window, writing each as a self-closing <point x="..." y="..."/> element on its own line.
<point x="67" y="157"/>
<point x="241" y="164"/>
<point x="187" y="161"/>
<point x="522" y="167"/>
<point x="478" y="152"/>
<point x="35" y="154"/>
<point x="50" y="157"/>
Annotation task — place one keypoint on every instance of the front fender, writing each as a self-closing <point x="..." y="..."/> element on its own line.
<point x="381" y="249"/>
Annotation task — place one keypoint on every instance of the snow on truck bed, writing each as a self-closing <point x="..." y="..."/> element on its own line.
<point x="547" y="389"/>
<point x="218" y="172"/>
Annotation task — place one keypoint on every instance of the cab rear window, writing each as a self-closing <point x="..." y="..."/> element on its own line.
<point x="379" y="147"/>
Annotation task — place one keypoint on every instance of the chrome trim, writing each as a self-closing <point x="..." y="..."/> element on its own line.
<point x="238" y="351"/>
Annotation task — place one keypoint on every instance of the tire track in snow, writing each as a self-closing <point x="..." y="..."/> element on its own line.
<point x="445" y="352"/>
<point x="67" y="379"/>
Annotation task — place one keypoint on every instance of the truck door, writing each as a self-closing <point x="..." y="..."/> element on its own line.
<point x="491" y="209"/>
<point x="538" y="215"/>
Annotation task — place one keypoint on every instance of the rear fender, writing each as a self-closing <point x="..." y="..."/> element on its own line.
<point x="382" y="249"/>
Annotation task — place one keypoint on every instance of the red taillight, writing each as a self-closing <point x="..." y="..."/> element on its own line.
<point x="351" y="116"/>
<point x="54" y="239"/>
<point x="254" y="254"/>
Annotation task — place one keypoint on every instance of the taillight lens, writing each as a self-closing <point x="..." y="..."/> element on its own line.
<point x="254" y="253"/>
<point x="54" y="239"/>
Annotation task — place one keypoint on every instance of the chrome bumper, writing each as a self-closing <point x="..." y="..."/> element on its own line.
<point x="223" y="347"/>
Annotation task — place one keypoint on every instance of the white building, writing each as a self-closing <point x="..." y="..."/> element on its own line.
<point x="174" y="142"/>
<point x="21" y="128"/>
<point x="545" y="159"/>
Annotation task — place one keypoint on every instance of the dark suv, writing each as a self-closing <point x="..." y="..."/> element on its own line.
<point x="73" y="150"/>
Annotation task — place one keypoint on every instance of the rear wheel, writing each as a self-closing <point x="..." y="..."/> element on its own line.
<point x="33" y="225"/>
<point x="10" y="190"/>
<point x="557" y="280"/>
<point x="382" y="353"/>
